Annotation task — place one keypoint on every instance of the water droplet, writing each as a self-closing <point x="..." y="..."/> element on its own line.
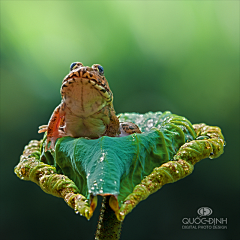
<point x="102" y="156"/>
<point x="77" y="212"/>
<point x="150" y="123"/>
<point x="101" y="191"/>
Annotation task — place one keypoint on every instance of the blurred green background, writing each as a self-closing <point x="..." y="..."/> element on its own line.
<point x="181" y="56"/>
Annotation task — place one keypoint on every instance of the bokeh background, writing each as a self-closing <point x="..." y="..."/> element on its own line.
<point x="181" y="56"/>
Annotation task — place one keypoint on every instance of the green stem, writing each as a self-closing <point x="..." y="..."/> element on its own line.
<point x="109" y="227"/>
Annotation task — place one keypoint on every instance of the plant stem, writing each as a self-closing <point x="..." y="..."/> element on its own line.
<point x="109" y="227"/>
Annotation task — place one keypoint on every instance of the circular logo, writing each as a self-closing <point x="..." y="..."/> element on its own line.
<point x="204" y="211"/>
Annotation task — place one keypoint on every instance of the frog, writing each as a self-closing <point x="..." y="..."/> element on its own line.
<point x="86" y="109"/>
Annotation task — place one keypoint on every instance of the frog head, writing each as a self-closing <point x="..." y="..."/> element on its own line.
<point x="85" y="90"/>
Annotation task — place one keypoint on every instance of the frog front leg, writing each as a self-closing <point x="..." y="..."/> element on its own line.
<point x="52" y="129"/>
<point x="127" y="128"/>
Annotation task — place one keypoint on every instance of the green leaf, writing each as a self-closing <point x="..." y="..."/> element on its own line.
<point x="115" y="165"/>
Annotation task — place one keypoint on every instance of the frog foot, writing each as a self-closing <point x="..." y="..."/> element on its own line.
<point x="50" y="137"/>
<point x="53" y="138"/>
<point x="127" y="128"/>
<point x="42" y="128"/>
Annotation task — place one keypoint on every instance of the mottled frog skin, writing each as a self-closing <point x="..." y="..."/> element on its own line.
<point x="86" y="109"/>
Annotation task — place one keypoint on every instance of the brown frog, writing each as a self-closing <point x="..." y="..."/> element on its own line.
<point x="86" y="109"/>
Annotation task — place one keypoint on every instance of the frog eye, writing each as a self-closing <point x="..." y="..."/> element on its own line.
<point x="100" y="69"/>
<point x="72" y="66"/>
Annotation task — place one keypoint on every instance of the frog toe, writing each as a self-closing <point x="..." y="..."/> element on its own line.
<point x="46" y="146"/>
<point x="42" y="128"/>
<point x="52" y="144"/>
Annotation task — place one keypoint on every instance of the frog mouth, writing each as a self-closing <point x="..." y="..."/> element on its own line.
<point x="100" y="88"/>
